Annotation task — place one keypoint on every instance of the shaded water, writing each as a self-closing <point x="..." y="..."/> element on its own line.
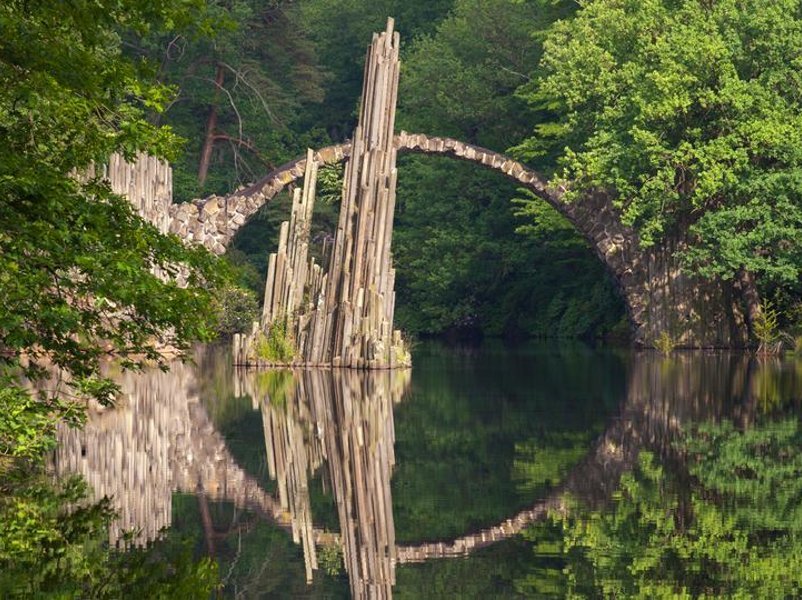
<point x="416" y="485"/>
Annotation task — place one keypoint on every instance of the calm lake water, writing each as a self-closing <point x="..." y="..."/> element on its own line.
<point x="438" y="482"/>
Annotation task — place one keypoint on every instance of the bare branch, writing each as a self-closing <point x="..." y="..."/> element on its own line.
<point x="230" y="100"/>
<point x="239" y="76"/>
<point x="521" y="75"/>
<point x="247" y="144"/>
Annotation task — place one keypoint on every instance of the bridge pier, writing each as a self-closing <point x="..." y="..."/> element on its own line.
<point x="661" y="297"/>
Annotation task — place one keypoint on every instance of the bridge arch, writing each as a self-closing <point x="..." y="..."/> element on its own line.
<point x="214" y="221"/>
<point x="659" y="296"/>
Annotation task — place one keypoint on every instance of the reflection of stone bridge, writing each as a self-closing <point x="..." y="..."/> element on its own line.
<point x="157" y="441"/>
<point x="161" y="440"/>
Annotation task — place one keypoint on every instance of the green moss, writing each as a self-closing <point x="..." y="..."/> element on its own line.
<point x="330" y="558"/>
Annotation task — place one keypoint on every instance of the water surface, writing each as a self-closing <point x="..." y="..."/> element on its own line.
<point x="409" y="484"/>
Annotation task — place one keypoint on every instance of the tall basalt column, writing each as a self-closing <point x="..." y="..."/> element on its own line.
<point x="360" y="299"/>
<point x="348" y="318"/>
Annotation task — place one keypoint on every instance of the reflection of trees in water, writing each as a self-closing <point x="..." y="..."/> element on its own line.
<point x="159" y="440"/>
<point x="663" y="394"/>
<point x="710" y="504"/>
<point x="156" y="441"/>
<point x="724" y="523"/>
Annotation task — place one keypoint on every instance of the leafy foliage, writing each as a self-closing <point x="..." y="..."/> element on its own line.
<point x="688" y="113"/>
<point x="342" y="55"/>
<point x="461" y="265"/>
<point x="77" y="265"/>
<point x="276" y="345"/>
<point x="331" y="559"/>
<point x="52" y="544"/>
<point x="542" y="463"/>
<point x="732" y="531"/>
<point x="241" y="94"/>
<point x="77" y="277"/>
<point x="459" y="81"/>
<point x="665" y="343"/>
<point x="237" y="310"/>
<point x="766" y="328"/>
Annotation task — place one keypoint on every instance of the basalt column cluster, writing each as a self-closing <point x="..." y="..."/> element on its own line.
<point x="343" y="318"/>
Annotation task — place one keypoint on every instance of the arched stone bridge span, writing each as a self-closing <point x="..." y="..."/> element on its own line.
<point x="214" y="221"/>
<point x="659" y="296"/>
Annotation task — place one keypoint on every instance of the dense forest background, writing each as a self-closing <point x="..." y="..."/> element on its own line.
<point x="475" y="256"/>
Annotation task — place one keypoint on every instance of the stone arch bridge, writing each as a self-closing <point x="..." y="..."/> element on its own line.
<point x="659" y="297"/>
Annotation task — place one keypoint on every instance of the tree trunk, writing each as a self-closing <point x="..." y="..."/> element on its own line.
<point x="206" y="520"/>
<point x="211" y="127"/>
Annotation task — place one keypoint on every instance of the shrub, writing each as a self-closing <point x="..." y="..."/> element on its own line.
<point x="766" y="329"/>
<point x="277" y="346"/>
<point x="236" y="310"/>
<point x="664" y="343"/>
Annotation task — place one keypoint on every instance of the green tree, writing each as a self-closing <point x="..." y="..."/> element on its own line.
<point x="241" y="94"/>
<point x="688" y="113"/>
<point x="54" y="544"/>
<point x="464" y="260"/>
<point x="462" y="265"/>
<point x="77" y="264"/>
<point x="460" y="79"/>
<point x="342" y="55"/>
<point x="466" y="256"/>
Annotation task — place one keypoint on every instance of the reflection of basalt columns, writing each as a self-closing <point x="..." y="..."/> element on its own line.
<point x="125" y="454"/>
<point x="346" y="419"/>
<point x="292" y="455"/>
<point x="157" y="441"/>
<point x="361" y="456"/>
